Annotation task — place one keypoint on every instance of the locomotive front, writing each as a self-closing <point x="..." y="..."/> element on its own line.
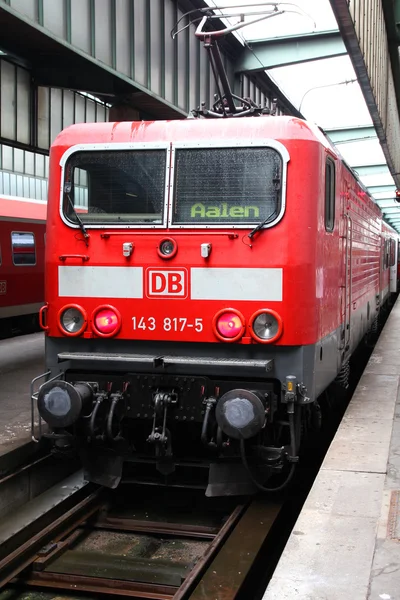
<point x="169" y="346"/>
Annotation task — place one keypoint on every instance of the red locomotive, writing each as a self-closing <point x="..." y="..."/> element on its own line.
<point x="205" y="282"/>
<point x="22" y="232"/>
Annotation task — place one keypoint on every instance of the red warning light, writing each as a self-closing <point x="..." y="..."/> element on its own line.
<point x="106" y="321"/>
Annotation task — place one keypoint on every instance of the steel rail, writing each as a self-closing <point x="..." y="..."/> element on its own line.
<point x="23" y="556"/>
<point x="211" y="551"/>
<point x="100" y="585"/>
<point x="119" y="587"/>
<point x="226" y="575"/>
<point x="223" y="567"/>
<point x="26" y="467"/>
<point x="160" y="528"/>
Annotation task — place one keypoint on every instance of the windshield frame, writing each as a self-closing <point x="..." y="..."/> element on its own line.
<point x="112" y="147"/>
<point x="243" y="143"/>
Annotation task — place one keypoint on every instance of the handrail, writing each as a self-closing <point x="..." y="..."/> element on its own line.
<point x="83" y="257"/>
<point x="42" y="312"/>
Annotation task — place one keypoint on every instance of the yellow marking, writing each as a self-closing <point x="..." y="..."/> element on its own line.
<point x="223" y="211"/>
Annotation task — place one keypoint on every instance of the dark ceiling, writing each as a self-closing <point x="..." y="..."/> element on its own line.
<point x="55" y="63"/>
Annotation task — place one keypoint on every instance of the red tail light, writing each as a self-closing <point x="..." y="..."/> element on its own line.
<point x="106" y="321"/>
<point x="228" y="325"/>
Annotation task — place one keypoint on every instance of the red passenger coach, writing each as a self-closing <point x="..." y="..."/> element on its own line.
<point x="205" y="282"/>
<point x="22" y="231"/>
<point x="389" y="283"/>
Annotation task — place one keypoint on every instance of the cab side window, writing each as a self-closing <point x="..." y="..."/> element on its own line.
<point x="329" y="195"/>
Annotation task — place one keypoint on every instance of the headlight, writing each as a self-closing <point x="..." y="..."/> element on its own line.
<point x="266" y="326"/>
<point x="72" y="320"/>
<point x="228" y="325"/>
<point x="106" y="321"/>
<point x="167" y="248"/>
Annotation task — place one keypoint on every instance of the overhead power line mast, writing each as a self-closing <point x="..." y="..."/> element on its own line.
<point x="228" y="104"/>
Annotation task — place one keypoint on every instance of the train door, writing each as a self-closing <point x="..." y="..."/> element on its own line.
<point x="346" y="285"/>
<point x="393" y="265"/>
<point x="384" y="274"/>
<point x="398" y="263"/>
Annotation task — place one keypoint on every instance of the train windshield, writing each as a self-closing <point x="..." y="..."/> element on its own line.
<point x="114" y="187"/>
<point x="238" y="185"/>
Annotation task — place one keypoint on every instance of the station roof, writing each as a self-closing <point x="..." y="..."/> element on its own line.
<point x="302" y="51"/>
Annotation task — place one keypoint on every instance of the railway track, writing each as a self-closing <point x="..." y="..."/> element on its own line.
<point x="133" y="542"/>
<point x="77" y="541"/>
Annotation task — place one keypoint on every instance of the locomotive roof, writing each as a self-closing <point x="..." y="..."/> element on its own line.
<point x="247" y="128"/>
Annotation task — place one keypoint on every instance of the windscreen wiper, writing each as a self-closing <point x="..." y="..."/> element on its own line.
<point x="277" y="186"/>
<point x="67" y="191"/>
<point x="261" y="225"/>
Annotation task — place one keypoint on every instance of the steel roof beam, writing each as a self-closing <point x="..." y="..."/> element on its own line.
<point x="371" y="169"/>
<point x="383" y="204"/>
<point x="386" y="201"/>
<point x="368" y="52"/>
<point x="351" y="134"/>
<point x="392" y="211"/>
<point x="384" y="196"/>
<point x="377" y="189"/>
<point x="289" y="50"/>
<point x="394" y="208"/>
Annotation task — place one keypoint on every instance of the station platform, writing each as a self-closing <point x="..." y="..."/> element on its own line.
<point x="21" y="359"/>
<point x="346" y="541"/>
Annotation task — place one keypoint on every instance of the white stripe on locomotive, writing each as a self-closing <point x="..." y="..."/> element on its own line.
<point x="227" y="284"/>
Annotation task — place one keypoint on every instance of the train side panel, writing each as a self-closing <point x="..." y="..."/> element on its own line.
<point x="22" y="244"/>
<point x="348" y="269"/>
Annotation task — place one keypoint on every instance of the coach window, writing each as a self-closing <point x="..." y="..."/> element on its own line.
<point x="23" y="248"/>
<point x="329" y="195"/>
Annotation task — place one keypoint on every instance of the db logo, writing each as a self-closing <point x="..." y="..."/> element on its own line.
<point x="3" y="287"/>
<point x="166" y="282"/>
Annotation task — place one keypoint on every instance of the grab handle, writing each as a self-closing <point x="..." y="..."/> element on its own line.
<point x="42" y="317"/>
<point x="83" y="257"/>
